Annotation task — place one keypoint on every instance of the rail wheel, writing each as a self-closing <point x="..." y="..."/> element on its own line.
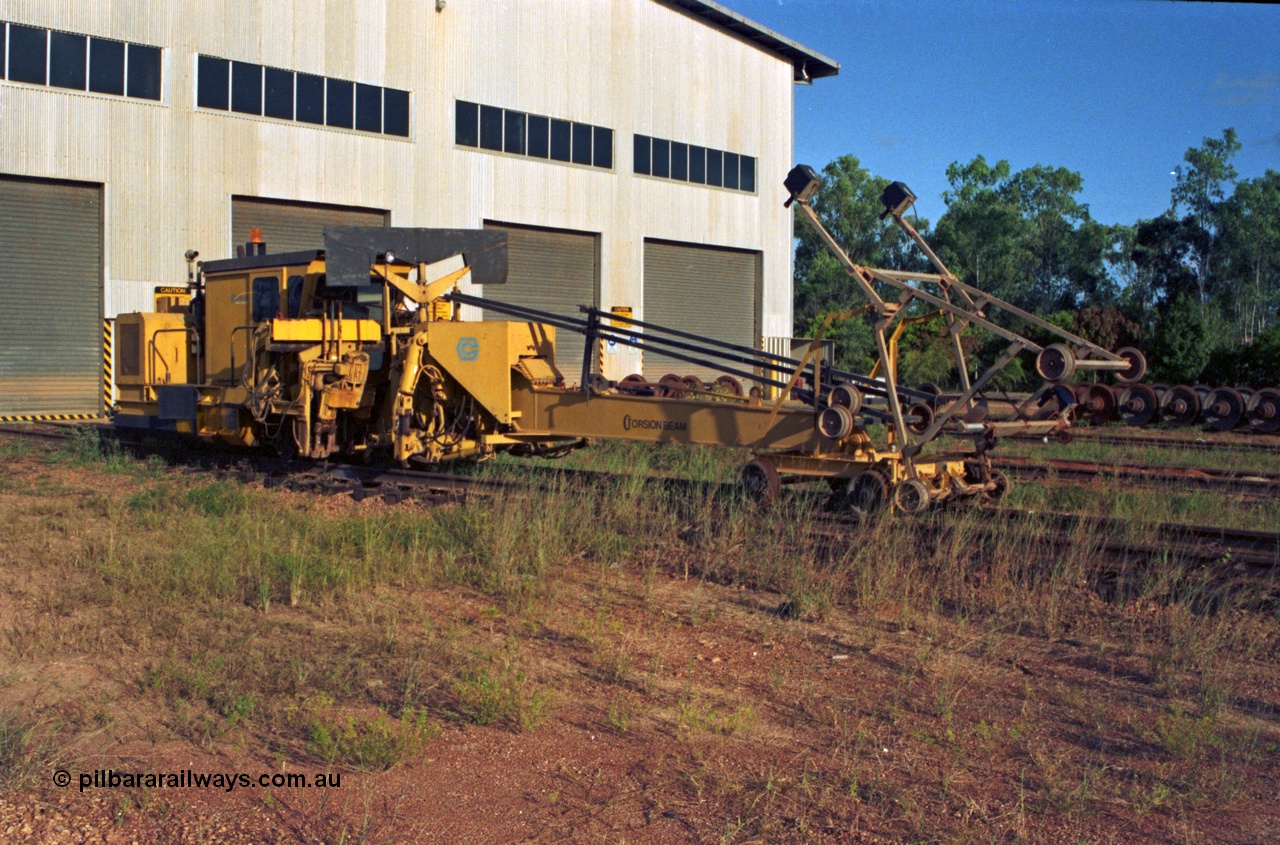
<point x="934" y="391"/>
<point x="911" y="496"/>
<point x="671" y="386"/>
<point x="1056" y="363"/>
<point x="868" y="493"/>
<point x="1138" y="404"/>
<point x="1098" y="405"/>
<point x="835" y="422"/>
<point x="922" y="416"/>
<point x="635" y="385"/>
<point x="1180" y="405"/>
<point x="846" y="396"/>
<point x="1264" y="410"/>
<point x="759" y="483"/>
<point x="999" y="490"/>
<point x="728" y="386"/>
<point x="1137" y="365"/>
<point x="1224" y="409"/>
<point x="694" y="385"/>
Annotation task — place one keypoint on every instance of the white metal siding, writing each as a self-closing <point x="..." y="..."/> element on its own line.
<point x="635" y="66"/>
<point x="50" y="297"/>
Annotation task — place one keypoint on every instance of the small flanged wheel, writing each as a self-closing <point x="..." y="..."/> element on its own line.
<point x="1064" y="436"/>
<point x="1098" y="404"/>
<point x="1138" y="404"/>
<point x="1224" y="409"/>
<point x="671" y="386"/>
<point x="835" y="423"/>
<point x="921" y="418"/>
<point x="1056" y="363"/>
<point x="999" y="488"/>
<point x="846" y="396"/>
<point x="727" y="385"/>
<point x="635" y="385"/>
<point x="1137" y="365"/>
<point x="1264" y="410"/>
<point x="868" y="493"/>
<point x="911" y="496"/>
<point x="1180" y="405"/>
<point x="694" y="385"/>
<point x="759" y="483"/>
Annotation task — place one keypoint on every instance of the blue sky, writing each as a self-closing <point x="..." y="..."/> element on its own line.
<point x="1114" y="89"/>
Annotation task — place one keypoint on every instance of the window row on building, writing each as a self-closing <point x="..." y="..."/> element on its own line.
<point x="520" y="133"/>
<point x="263" y="91"/>
<point x="41" y="56"/>
<point x="691" y="163"/>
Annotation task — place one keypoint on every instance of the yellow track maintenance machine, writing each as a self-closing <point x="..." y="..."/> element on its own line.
<point x="360" y="350"/>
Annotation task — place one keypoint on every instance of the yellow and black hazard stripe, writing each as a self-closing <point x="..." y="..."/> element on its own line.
<point x="108" y="375"/>
<point x="48" y="417"/>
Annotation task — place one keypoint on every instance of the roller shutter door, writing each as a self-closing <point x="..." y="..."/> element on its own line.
<point x="50" y="297"/>
<point x="550" y="270"/>
<point x="707" y="291"/>
<point x="288" y="226"/>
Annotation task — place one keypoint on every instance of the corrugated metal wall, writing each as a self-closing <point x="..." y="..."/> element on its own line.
<point x="703" y="290"/>
<point x="552" y="271"/>
<point x="50" y="297"/>
<point x="288" y="226"/>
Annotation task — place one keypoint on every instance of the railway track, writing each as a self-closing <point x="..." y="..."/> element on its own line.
<point x="1193" y="545"/>
<point x="1084" y="472"/>
<point x="1258" y="443"/>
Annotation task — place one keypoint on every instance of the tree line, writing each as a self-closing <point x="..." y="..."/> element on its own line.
<point x="1197" y="288"/>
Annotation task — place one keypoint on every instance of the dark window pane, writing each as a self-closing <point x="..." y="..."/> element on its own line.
<point x="698" y="164"/>
<point x="246" y="87"/>
<point x="715" y="167"/>
<point x="603" y="140"/>
<point x="642" y="144"/>
<point x="560" y="134"/>
<point x="661" y="158"/>
<point x="106" y="69"/>
<point x="581" y="143"/>
<point x="310" y="98"/>
<point x="294" y="292"/>
<point x="748" y="180"/>
<point x="513" y="133"/>
<point x="491" y="127"/>
<point x="277" y="100"/>
<point x="212" y="83"/>
<point x="66" y="60"/>
<point x="679" y="161"/>
<point x="368" y="107"/>
<point x="266" y="298"/>
<point x="144" y="72"/>
<point x="4" y="36"/>
<point x="731" y="170"/>
<point x="539" y="129"/>
<point x="395" y="112"/>
<point x="27" y="53"/>
<point x="338" y="106"/>
<point x="466" y="129"/>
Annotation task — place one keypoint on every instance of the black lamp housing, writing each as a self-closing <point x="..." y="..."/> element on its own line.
<point x="801" y="183"/>
<point x="897" y="198"/>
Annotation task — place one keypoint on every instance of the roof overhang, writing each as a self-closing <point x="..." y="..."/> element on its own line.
<point x="807" y="64"/>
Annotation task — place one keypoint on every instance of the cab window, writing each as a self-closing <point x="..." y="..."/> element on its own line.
<point x="266" y="298"/>
<point x="294" y="293"/>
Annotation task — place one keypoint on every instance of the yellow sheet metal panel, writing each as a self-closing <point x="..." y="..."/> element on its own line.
<point x="480" y="356"/>
<point x="311" y="331"/>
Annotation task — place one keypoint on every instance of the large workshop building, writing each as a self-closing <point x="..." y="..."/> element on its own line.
<point x="633" y="149"/>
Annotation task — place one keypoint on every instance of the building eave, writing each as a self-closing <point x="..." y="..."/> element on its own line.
<point x="807" y="64"/>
